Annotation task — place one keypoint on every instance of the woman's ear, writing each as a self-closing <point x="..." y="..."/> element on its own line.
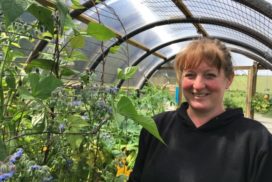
<point x="229" y="81"/>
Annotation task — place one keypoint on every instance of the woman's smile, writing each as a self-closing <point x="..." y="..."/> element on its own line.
<point x="204" y="87"/>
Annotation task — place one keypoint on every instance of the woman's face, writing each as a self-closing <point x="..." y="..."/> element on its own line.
<point x="204" y="87"/>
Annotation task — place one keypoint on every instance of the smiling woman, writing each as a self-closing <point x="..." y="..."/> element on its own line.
<point x="204" y="70"/>
<point x="205" y="141"/>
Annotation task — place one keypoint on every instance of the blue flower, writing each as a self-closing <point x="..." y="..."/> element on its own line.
<point x="61" y="128"/>
<point x="101" y="104"/>
<point x="69" y="163"/>
<point x="112" y="90"/>
<point x="5" y="176"/>
<point x="35" y="167"/>
<point x="17" y="155"/>
<point x="76" y="103"/>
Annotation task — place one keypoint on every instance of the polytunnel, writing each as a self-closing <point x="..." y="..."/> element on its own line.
<point x="150" y="33"/>
<point x="88" y="91"/>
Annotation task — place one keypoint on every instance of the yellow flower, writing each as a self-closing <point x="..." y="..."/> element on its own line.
<point x="45" y="148"/>
<point x="123" y="170"/>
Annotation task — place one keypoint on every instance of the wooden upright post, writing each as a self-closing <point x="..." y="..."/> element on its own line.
<point x="251" y="89"/>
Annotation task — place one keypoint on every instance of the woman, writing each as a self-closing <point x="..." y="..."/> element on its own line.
<point x="205" y="141"/>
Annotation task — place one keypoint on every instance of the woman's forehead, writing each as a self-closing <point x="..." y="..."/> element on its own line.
<point x="201" y="65"/>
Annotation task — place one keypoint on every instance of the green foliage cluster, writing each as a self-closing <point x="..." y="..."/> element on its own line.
<point x="69" y="130"/>
<point x="235" y="99"/>
<point x="262" y="103"/>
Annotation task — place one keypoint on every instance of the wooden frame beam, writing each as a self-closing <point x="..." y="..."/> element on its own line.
<point x="251" y="89"/>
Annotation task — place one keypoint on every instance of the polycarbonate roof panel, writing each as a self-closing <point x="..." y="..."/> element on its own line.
<point x="231" y="11"/>
<point x="143" y="69"/>
<point x="122" y="59"/>
<point x="173" y="49"/>
<point x="220" y="31"/>
<point x="127" y="15"/>
<point x="164" y="77"/>
<point x="161" y="34"/>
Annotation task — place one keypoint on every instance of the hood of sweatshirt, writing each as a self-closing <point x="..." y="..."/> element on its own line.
<point x="230" y="115"/>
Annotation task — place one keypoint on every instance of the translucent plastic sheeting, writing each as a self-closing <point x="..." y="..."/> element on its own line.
<point x="121" y="59"/>
<point x="174" y="48"/>
<point x="161" y="34"/>
<point x="246" y="51"/>
<point x="231" y="11"/>
<point x="144" y="68"/>
<point x="127" y="15"/>
<point x="164" y="77"/>
<point x="220" y="31"/>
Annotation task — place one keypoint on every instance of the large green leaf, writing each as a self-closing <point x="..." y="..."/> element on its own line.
<point x="77" y="42"/>
<point x="114" y="49"/>
<point x="100" y="32"/>
<point x="3" y="150"/>
<point x="33" y="79"/>
<point x="128" y="73"/>
<point x="127" y="109"/>
<point x="76" y="123"/>
<point x="74" y="140"/>
<point x="76" y="4"/>
<point x="25" y="94"/>
<point x="14" y="54"/>
<point x="65" y="18"/>
<point x="149" y="124"/>
<point x="65" y="71"/>
<point x="45" y="64"/>
<point x="12" y="9"/>
<point x="45" y="87"/>
<point x="76" y="56"/>
<point x="11" y="82"/>
<point x="44" y="16"/>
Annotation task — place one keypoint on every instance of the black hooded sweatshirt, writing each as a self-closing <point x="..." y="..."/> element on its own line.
<point x="228" y="148"/>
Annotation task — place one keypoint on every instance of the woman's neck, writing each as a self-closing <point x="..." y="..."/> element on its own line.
<point x="199" y="118"/>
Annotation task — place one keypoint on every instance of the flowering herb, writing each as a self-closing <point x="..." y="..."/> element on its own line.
<point x="5" y="176"/>
<point x="35" y="167"/>
<point x="17" y="155"/>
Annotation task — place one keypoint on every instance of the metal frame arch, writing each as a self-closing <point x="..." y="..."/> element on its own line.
<point x="261" y="6"/>
<point x="239" y="51"/>
<point x="246" y="46"/>
<point x="241" y="28"/>
<point x="226" y="40"/>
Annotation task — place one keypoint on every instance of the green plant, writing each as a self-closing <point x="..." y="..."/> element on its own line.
<point x="235" y="99"/>
<point x="70" y="130"/>
<point x="261" y="103"/>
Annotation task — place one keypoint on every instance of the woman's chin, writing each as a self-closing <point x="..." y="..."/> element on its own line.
<point x="199" y="106"/>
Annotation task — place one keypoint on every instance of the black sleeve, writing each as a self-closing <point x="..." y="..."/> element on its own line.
<point x="136" y="173"/>
<point x="263" y="168"/>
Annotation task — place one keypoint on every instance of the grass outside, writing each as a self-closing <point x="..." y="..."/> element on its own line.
<point x="263" y="83"/>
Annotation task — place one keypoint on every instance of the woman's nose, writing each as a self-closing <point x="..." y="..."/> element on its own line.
<point x="199" y="83"/>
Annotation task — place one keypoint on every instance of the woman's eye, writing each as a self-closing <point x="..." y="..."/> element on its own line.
<point x="189" y="75"/>
<point x="210" y="75"/>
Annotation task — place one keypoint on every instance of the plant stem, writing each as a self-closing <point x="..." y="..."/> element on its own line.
<point x="2" y="69"/>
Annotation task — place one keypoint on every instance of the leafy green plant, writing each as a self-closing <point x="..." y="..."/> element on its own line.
<point x="69" y="130"/>
<point x="235" y="99"/>
<point x="261" y="103"/>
